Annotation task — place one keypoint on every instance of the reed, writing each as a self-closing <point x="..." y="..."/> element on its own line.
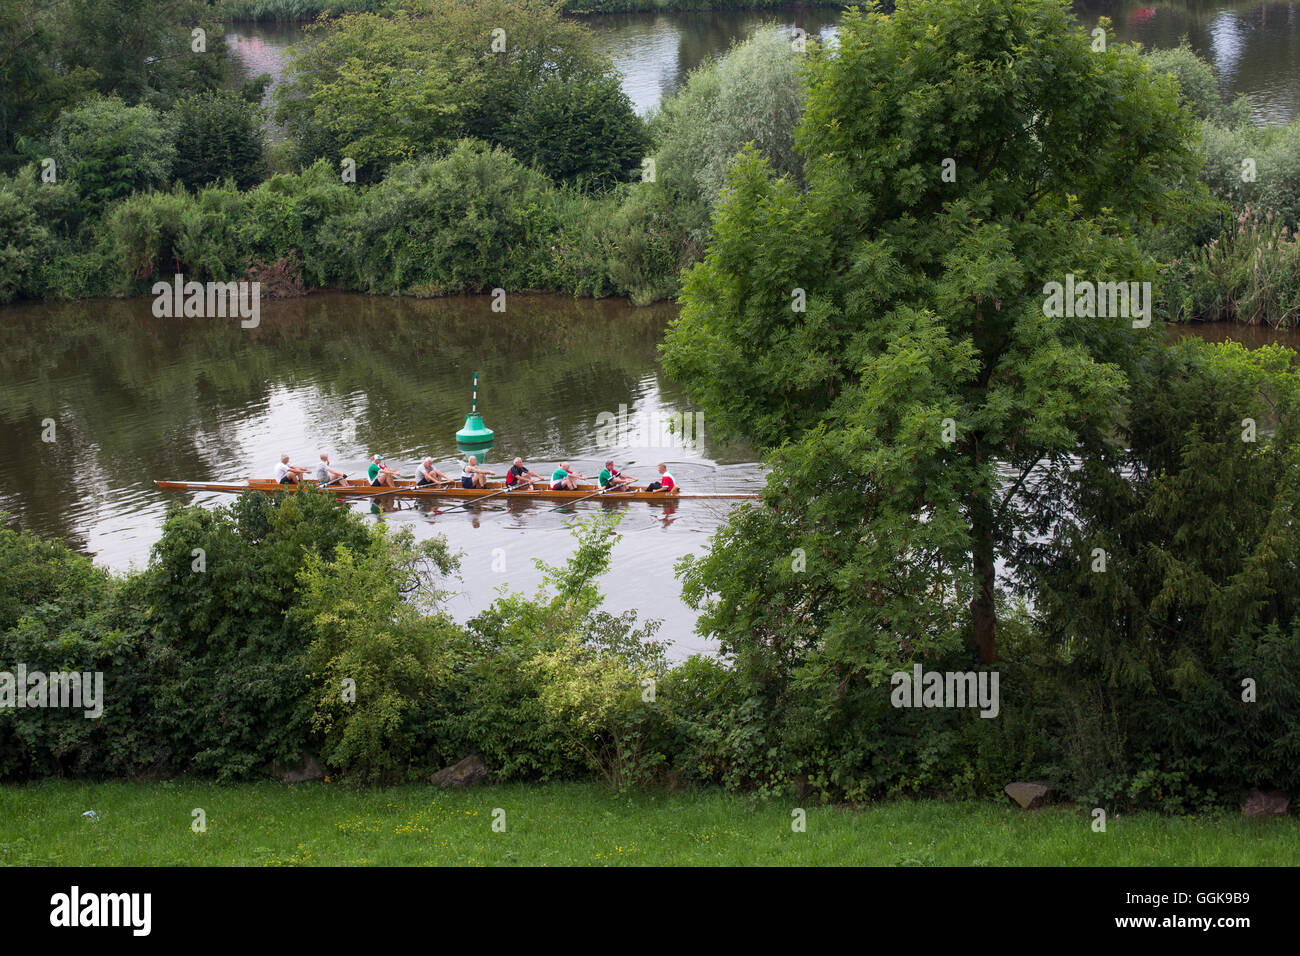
<point x="1249" y="274"/>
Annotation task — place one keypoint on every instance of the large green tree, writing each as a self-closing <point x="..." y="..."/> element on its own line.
<point x="882" y="330"/>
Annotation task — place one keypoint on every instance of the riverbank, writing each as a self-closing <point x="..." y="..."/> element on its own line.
<point x="322" y="824"/>
<point x="299" y="11"/>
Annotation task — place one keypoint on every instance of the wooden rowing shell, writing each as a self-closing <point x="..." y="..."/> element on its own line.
<point x="360" y="487"/>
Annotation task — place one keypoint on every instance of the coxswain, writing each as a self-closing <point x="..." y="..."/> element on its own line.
<point x="666" y="480"/>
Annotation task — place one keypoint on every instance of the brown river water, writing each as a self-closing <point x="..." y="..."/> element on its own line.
<point x="134" y="398"/>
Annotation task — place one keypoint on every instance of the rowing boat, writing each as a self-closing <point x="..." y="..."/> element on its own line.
<point x="359" y="487"/>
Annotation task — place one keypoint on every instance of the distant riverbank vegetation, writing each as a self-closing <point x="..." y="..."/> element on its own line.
<point x="525" y="170"/>
<point x="297" y="11"/>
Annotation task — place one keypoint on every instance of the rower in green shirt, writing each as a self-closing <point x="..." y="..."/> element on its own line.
<point x="565" y="478"/>
<point x="611" y="479"/>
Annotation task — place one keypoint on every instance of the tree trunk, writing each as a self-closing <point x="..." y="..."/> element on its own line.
<point x="982" y="609"/>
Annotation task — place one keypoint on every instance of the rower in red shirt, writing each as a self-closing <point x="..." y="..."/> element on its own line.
<point x="666" y="481"/>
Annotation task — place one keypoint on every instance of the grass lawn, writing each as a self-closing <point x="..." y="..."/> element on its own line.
<point x="585" y="823"/>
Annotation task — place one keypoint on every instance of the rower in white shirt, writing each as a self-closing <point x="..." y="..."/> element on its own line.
<point x="287" y="474"/>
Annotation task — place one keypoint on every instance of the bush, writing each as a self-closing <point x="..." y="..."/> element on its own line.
<point x="552" y="685"/>
<point x="1250" y="274"/>
<point x="47" y="247"/>
<point x="1197" y="83"/>
<point x="108" y="150"/>
<point x="218" y="136"/>
<point x="1202" y="550"/>
<point x="388" y="89"/>
<point x="379" y="666"/>
<point x="580" y="131"/>
<point x="475" y="219"/>
<point x="58" y="613"/>
<point x="754" y="94"/>
<point x="232" y="691"/>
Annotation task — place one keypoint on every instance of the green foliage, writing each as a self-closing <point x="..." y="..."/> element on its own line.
<point x="1254" y="168"/>
<point x="379" y="665"/>
<point x="753" y="95"/>
<point x="293" y="11"/>
<point x="1197" y="84"/>
<point x="35" y="89"/>
<point x="579" y="130"/>
<point x="879" y="536"/>
<point x="218" y="136"/>
<point x="36" y="220"/>
<point x="1250" y="273"/>
<point x="475" y="219"/>
<point x="108" y="149"/>
<point x="232" y="689"/>
<point x="215" y="233"/>
<point x="58" y="613"/>
<point x="141" y="51"/>
<point x="1198" y="525"/>
<point x="553" y="684"/>
<point x="385" y="89"/>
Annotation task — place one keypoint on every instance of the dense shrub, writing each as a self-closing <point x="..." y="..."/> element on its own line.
<point x="381" y="655"/>
<point x="552" y="687"/>
<point x="1197" y="519"/>
<point x="218" y="136"/>
<point x="386" y="89"/>
<point x="58" y="613"/>
<point x="108" y="150"/>
<point x="753" y="95"/>
<point x="580" y="131"/>
<point x="473" y="220"/>
<point x="230" y="660"/>
<point x="1198" y="84"/>
<point x="1250" y="274"/>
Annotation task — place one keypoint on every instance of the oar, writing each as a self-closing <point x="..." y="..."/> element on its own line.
<point x="406" y="489"/>
<point x="330" y="482"/>
<point x="386" y="491"/>
<point x="433" y="484"/>
<point x="474" y="501"/>
<point x="574" y="501"/>
<point x="401" y="489"/>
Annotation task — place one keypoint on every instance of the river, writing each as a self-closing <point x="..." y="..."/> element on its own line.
<point x="1255" y="47"/>
<point x="134" y="398"/>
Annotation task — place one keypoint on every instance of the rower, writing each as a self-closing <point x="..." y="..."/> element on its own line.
<point x="426" y="474"/>
<point x="521" y="477"/>
<point x="287" y="474"/>
<point x="324" y="473"/>
<point x="381" y="476"/>
<point x="565" y="478"/>
<point x="611" y="479"/>
<point x="472" y="476"/>
<point x="666" y="481"/>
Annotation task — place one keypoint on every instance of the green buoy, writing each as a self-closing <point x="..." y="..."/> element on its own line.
<point x="474" y="432"/>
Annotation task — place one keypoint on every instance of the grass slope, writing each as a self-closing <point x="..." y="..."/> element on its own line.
<point x="583" y="824"/>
